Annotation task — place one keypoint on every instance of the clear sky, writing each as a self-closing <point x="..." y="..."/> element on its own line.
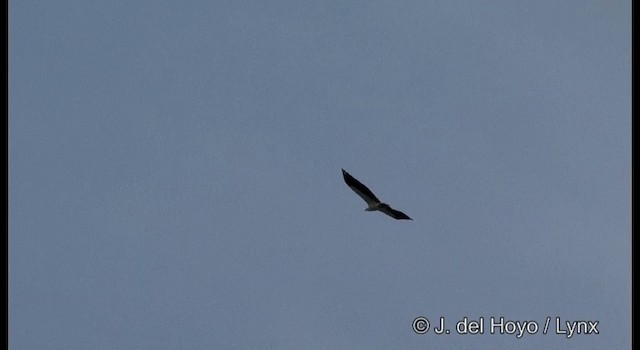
<point x="175" y="183"/>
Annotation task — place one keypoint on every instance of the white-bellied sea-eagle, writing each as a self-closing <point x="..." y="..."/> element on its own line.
<point x="372" y="201"/>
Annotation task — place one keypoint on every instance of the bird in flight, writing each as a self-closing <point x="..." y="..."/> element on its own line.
<point x="372" y="201"/>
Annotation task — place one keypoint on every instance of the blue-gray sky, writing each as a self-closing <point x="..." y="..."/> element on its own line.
<point x="174" y="172"/>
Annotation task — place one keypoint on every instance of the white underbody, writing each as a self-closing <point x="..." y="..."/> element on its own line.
<point x="374" y="206"/>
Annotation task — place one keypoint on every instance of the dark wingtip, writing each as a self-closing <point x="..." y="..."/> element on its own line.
<point x="405" y="217"/>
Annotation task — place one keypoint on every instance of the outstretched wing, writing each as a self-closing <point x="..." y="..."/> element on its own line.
<point x="360" y="189"/>
<point x="396" y="214"/>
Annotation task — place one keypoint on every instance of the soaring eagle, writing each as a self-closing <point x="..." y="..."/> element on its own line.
<point x="372" y="201"/>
